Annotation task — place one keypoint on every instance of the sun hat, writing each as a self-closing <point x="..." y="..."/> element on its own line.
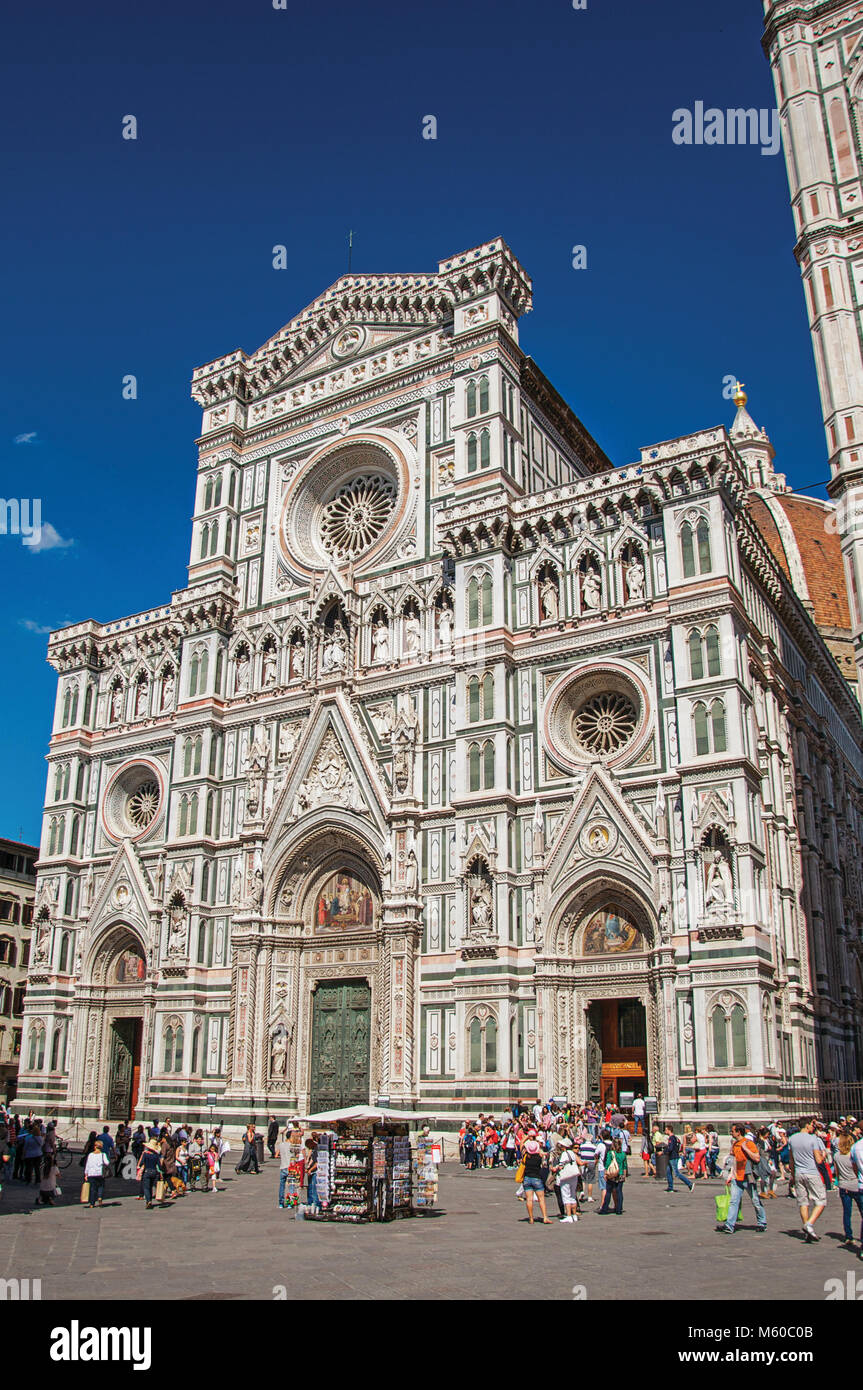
<point x="532" y="1146"/>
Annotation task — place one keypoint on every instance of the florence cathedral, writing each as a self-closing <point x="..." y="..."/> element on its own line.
<point x="467" y="766"/>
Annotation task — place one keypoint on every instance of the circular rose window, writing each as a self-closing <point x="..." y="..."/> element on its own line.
<point x="132" y="802"/>
<point x="352" y="521"/>
<point x="347" y="504"/>
<point x="601" y="713"/>
<point x="605" y="723"/>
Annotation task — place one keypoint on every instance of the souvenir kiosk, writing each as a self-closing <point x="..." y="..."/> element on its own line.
<point x="366" y="1170"/>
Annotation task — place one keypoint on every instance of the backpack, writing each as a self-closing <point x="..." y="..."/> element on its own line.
<point x="613" y="1169"/>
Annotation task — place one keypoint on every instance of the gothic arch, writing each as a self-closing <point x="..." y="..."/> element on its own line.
<point x="103" y="951"/>
<point x="314" y="850"/>
<point x="586" y="894"/>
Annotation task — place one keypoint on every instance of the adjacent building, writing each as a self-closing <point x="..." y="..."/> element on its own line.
<point x="467" y="766"/>
<point x="17" y="894"/>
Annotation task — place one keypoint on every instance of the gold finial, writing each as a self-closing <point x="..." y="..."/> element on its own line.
<point x="740" y="397"/>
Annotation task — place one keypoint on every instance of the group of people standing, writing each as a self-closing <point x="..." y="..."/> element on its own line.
<point x="28" y="1154"/>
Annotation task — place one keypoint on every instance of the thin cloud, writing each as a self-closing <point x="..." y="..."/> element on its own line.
<point x="25" y="438"/>
<point x="49" y="538"/>
<point x="41" y="628"/>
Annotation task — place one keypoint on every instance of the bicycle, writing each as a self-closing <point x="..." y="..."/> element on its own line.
<point x="63" y="1156"/>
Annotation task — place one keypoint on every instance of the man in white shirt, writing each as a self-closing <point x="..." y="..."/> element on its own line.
<point x="638" y="1114"/>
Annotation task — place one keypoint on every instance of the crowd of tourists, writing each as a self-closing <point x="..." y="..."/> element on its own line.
<point x="571" y="1152"/>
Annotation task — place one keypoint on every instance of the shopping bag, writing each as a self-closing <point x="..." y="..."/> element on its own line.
<point x="519" y="1192"/>
<point x="519" y="1172"/>
<point x="160" y="1191"/>
<point x="722" y="1202"/>
<point x="85" y="1190"/>
<point x="58" y="1191"/>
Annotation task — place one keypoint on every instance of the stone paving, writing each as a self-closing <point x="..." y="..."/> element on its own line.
<point x="477" y="1245"/>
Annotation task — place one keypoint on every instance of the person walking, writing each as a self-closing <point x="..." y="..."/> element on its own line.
<point x="249" y="1155"/>
<point x="767" y="1169"/>
<point x="95" y="1172"/>
<point x="616" y="1169"/>
<point x="149" y="1171"/>
<point x="533" y="1181"/>
<point x="712" y="1152"/>
<point x="699" y="1154"/>
<point x="311" y="1173"/>
<point x="850" y="1184"/>
<point x="287" y="1156"/>
<point x="672" y="1149"/>
<point x="272" y="1135"/>
<point x="806" y="1151"/>
<point x="32" y="1155"/>
<point x="744" y="1159"/>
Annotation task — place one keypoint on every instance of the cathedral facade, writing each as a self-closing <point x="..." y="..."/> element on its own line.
<point x="466" y="767"/>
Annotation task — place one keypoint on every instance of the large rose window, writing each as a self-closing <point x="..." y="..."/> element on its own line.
<point x="133" y="801"/>
<point x="352" y="520"/>
<point x="602" y="712"/>
<point x="605" y="723"/>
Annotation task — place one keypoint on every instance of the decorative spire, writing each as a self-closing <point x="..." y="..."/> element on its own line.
<point x="753" y="445"/>
<point x="740" y="397"/>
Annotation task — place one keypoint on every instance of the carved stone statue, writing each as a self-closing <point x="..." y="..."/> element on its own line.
<point x="334" y="652"/>
<point x="279" y="1052"/>
<point x="413" y="634"/>
<point x="255" y="769"/>
<point x="237" y="889"/>
<point x="116" y="706"/>
<point x="481" y="910"/>
<point x="289" y="737"/>
<point x="591" y="590"/>
<point x="380" y="641"/>
<point x="169" y="687"/>
<point x="297" y="660"/>
<point x="635" y="579"/>
<point x="549" y="601"/>
<point x="256" y="890"/>
<point x="269" y="670"/>
<point x="177" y="929"/>
<point x="141" y="692"/>
<point x="719" y="884"/>
<point x="241" y="683"/>
<point x="411" y="871"/>
<point x="445" y="624"/>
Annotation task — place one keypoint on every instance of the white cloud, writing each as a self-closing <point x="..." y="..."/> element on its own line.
<point x="25" y="438"/>
<point x="31" y="626"/>
<point x="49" y="538"/>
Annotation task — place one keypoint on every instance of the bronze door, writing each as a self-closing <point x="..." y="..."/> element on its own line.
<point x="341" y="1045"/>
<point x="124" y="1067"/>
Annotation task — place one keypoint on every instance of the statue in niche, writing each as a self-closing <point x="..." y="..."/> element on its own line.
<point x="411" y="871"/>
<point x="169" y="686"/>
<point x="237" y="889"/>
<point x="297" y="660"/>
<point x="241" y="683"/>
<point x="445" y="623"/>
<point x="481" y="910"/>
<point x="413" y="633"/>
<point x="380" y="641"/>
<point x="256" y="890"/>
<point x="388" y="872"/>
<point x="141" y="692"/>
<point x="549" y="600"/>
<point x="279" y="1052"/>
<point x="719" y="884"/>
<point x="87" y="892"/>
<point x="334" y="654"/>
<point x="591" y="590"/>
<point x="269" y="671"/>
<point x="177" y="928"/>
<point x="634" y="575"/>
<point x="289" y="737"/>
<point x="255" y="769"/>
<point x="116" y="707"/>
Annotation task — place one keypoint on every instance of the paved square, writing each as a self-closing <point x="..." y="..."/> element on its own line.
<point x="478" y="1245"/>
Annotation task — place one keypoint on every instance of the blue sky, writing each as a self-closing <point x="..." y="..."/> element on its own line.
<point x="260" y="127"/>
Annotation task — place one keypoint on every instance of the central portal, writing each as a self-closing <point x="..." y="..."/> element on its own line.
<point x="125" y="1068"/>
<point x="617" y="1043"/>
<point x="341" y="1045"/>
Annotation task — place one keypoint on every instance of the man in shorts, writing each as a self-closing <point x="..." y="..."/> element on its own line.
<point x="806" y="1152"/>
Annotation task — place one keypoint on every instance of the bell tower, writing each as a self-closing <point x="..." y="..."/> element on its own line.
<point x="815" y="51"/>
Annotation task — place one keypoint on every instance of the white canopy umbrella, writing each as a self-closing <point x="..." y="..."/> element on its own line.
<point x="370" y="1113"/>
